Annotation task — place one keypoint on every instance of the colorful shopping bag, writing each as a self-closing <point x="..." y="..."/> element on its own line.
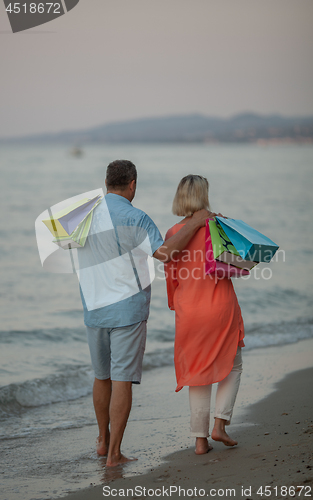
<point x="250" y="243"/>
<point x="224" y="250"/>
<point x="214" y="266"/>
<point x="71" y="225"/>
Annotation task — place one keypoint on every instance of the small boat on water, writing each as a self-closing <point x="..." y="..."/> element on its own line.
<point x="77" y="151"/>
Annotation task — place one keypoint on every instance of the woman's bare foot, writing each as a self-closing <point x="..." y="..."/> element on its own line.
<point x="202" y="446"/>
<point x="118" y="460"/>
<point x="101" y="446"/>
<point x="221" y="435"/>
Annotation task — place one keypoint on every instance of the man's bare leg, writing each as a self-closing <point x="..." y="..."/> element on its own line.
<point x="219" y="433"/>
<point x="101" y="401"/>
<point x="121" y="401"/>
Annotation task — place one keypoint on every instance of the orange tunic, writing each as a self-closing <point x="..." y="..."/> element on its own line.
<point x="208" y="321"/>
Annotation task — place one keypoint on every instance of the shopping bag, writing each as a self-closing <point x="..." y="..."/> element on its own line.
<point x="216" y="267"/>
<point x="250" y="243"/>
<point x="224" y="250"/>
<point x="71" y="225"/>
<point x="66" y="221"/>
<point x="77" y="238"/>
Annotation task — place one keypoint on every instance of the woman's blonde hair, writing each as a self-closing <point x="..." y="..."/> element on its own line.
<point x="192" y="194"/>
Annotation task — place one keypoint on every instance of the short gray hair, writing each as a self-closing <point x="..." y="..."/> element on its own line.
<point x="120" y="173"/>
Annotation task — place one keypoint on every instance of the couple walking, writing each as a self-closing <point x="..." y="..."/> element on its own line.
<point x="208" y="324"/>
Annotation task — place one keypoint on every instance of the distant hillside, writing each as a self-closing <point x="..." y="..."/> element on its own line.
<point x="196" y="128"/>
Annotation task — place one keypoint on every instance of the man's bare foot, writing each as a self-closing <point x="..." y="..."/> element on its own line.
<point x="221" y="435"/>
<point x="118" y="460"/>
<point x="202" y="446"/>
<point x="102" y="447"/>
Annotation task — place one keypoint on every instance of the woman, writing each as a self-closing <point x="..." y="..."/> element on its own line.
<point x="209" y="329"/>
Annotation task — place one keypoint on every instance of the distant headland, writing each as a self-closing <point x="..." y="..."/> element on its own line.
<point x="193" y="128"/>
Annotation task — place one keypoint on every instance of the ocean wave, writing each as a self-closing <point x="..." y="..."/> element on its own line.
<point x="72" y="383"/>
<point x="158" y="358"/>
<point x="280" y="333"/>
<point x="164" y="335"/>
<point x="275" y="297"/>
<point x="31" y="431"/>
<point x="49" y="334"/>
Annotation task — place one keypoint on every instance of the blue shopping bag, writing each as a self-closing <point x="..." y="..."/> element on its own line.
<point x="250" y="244"/>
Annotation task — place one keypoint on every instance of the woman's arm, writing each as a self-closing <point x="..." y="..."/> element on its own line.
<point x="170" y="271"/>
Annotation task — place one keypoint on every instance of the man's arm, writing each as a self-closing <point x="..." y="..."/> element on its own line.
<point x="177" y="242"/>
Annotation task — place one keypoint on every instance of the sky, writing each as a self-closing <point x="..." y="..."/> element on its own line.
<point x="113" y="60"/>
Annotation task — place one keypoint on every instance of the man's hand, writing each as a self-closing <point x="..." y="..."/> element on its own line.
<point x="200" y="217"/>
<point x="176" y="243"/>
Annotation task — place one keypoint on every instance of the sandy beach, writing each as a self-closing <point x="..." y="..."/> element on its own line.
<point x="273" y="425"/>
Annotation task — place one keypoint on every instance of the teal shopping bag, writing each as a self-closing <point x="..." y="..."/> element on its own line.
<point x="250" y="243"/>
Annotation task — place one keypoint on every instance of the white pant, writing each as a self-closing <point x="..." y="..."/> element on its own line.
<point x="200" y="398"/>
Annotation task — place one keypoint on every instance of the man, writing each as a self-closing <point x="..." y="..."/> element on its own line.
<point x="115" y="291"/>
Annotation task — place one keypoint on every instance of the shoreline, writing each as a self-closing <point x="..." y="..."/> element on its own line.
<point x="273" y="423"/>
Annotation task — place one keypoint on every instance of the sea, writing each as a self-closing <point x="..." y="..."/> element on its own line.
<point x="45" y="372"/>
